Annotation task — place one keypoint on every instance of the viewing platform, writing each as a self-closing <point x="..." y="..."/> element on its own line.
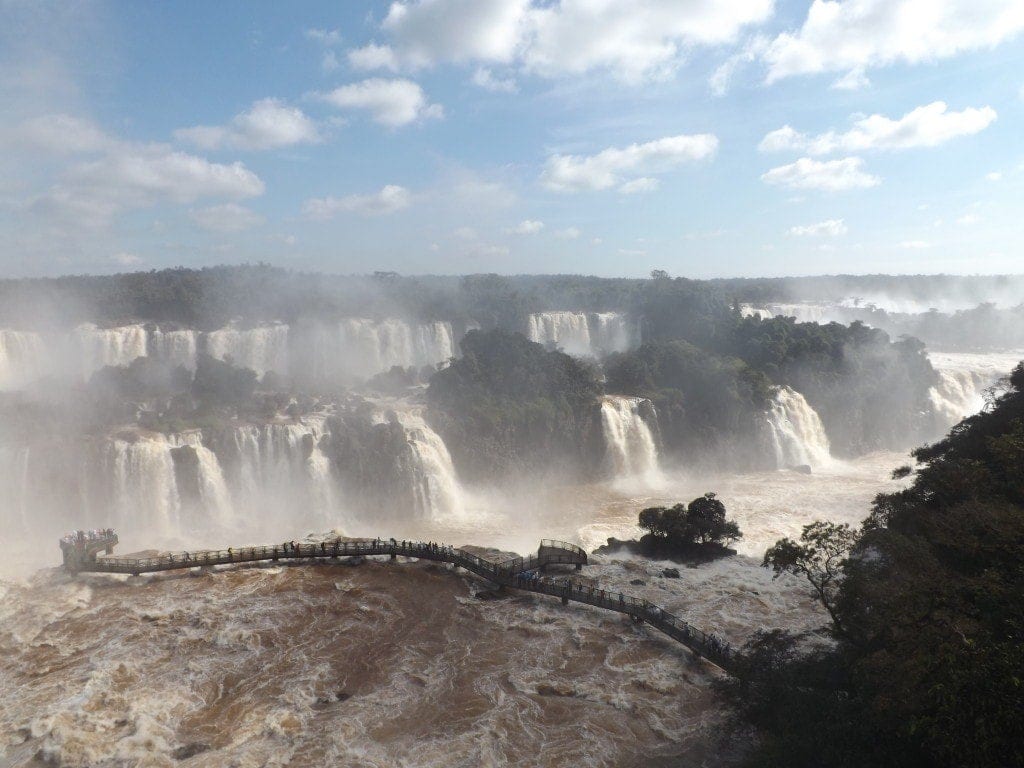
<point x="82" y="554"/>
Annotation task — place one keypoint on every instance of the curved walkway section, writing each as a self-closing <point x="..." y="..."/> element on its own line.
<point x="521" y="573"/>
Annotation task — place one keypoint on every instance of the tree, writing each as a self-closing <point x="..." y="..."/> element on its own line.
<point x="819" y="557"/>
<point x="702" y="524"/>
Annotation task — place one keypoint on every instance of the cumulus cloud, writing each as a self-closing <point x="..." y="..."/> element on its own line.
<point x="229" y="217"/>
<point x="827" y="228"/>
<point x="126" y="259"/>
<point x="854" y="35"/>
<point x="854" y="80"/>
<point x="64" y="134"/>
<point x="968" y="219"/>
<point x="324" y="36"/>
<point x="487" y="80"/>
<point x="573" y="173"/>
<point x="268" y="124"/>
<point x="373" y="56"/>
<point x="829" y="176"/>
<point x="526" y="227"/>
<point x="926" y="126"/>
<point x="569" y="233"/>
<point x="394" y="102"/>
<point x="389" y="199"/>
<point x="635" y="41"/>
<point x="643" y="184"/>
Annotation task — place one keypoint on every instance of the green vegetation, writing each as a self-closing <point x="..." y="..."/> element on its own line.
<point x="927" y="604"/>
<point x="509" y="405"/>
<point x="700" y="529"/>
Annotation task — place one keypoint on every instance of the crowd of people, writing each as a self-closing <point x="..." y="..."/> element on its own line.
<point x="79" y="539"/>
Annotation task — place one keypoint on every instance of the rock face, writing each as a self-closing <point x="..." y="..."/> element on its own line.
<point x="670" y="573"/>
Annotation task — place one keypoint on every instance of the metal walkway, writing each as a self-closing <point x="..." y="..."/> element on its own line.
<point x="522" y="573"/>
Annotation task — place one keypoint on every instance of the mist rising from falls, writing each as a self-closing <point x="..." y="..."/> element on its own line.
<point x="963" y="379"/>
<point x="22" y="358"/>
<point x="630" y="448"/>
<point x="582" y="333"/>
<point x="262" y="349"/>
<point x="795" y="432"/>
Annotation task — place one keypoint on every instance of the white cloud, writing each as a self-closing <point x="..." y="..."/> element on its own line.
<point x="390" y="102"/>
<point x="229" y="217"/>
<point x="635" y="41"/>
<point x="854" y="80"/>
<point x="926" y="126"/>
<point x="373" y="56"/>
<point x="486" y="79"/>
<point x="389" y="199"/>
<point x="269" y="123"/>
<point x="643" y="184"/>
<point x="829" y="228"/>
<point x="915" y="245"/>
<point x="64" y="134"/>
<point x="324" y="36"/>
<point x="569" y="233"/>
<point x="994" y="176"/>
<point x="126" y="259"/>
<point x="596" y="241"/>
<point x="830" y="175"/>
<point x="329" y="62"/>
<point x="571" y="173"/>
<point x="131" y="176"/>
<point x="968" y="219"/>
<point x="854" y="35"/>
<point x="526" y="227"/>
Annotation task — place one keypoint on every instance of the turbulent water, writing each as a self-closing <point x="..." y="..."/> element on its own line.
<point x="347" y="351"/>
<point x="964" y="377"/>
<point x="795" y="432"/>
<point x="425" y="465"/>
<point x="583" y="333"/>
<point x="631" y="451"/>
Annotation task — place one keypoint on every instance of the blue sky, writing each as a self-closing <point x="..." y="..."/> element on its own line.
<point x="704" y="137"/>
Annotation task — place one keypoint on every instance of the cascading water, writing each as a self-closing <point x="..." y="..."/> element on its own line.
<point x="23" y="358"/>
<point x="796" y="433"/>
<point x="144" y="492"/>
<point x="630" y="448"/>
<point x="99" y="347"/>
<point x="175" y="347"/>
<point x="263" y="349"/>
<point x="426" y="465"/>
<point x="357" y="348"/>
<point x="963" y="378"/>
<point x="581" y="333"/>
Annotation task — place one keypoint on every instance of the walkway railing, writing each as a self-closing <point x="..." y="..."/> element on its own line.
<point x="522" y="573"/>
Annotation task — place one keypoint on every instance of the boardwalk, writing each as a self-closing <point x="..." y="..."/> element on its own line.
<point x="522" y="573"/>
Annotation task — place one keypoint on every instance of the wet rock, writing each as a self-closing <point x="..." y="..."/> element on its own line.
<point x="190" y="750"/>
<point x="637" y="582"/>
<point x="342" y="696"/>
<point x="670" y="573"/>
<point x="803" y="469"/>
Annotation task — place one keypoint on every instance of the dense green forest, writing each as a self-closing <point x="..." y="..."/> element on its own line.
<point x="927" y="602"/>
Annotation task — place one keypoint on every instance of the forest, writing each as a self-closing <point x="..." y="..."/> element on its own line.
<point x="927" y="618"/>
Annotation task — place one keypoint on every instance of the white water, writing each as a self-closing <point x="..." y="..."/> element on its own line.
<point x="263" y="349"/>
<point x="99" y="347"/>
<point x="804" y="312"/>
<point x="963" y="378"/>
<point x="357" y="348"/>
<point x="583" y="334"/>
<point x="795" y="432"/>
<point x="23" y="358"/>
<point x="426" y="466"/>
<point x="630" y="448"/>
<point x="176" y="347"/>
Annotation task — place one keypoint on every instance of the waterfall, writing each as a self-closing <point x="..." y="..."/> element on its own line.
<point x="212" y="495"/>
<point x="630" y="447"/>
<point x="963" y="377"/>
<point x="175" y="347"/>
<point x="144" y="487"/>
<point x="426" y="465"/>
<point x="796" y="432"/>
<point x="261" y="349"/>
<point x="23" y="358"/>
<point x="583" y="334"/>
<point x="14" y="488"/>
<point x="358" y="348"/>
<point x="99" y="347"/>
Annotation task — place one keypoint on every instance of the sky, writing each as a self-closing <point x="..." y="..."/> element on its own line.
<point x="702" y="137"/>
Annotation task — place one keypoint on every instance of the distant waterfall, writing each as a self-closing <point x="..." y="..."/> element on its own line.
<point x="796" y="432"/>
<point x="358" y="348"/>
<point x="263" y="349"/>
<point x="144" y="487"/>
<point x="99" y="347"/>
<point x="426" y="465"/>
<point x="630" y="447"/>
<point x="963" y="379"/>
<point x="581" y="333"/>
<point x="23" y="358"/>
<point x="175" y="347"/>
